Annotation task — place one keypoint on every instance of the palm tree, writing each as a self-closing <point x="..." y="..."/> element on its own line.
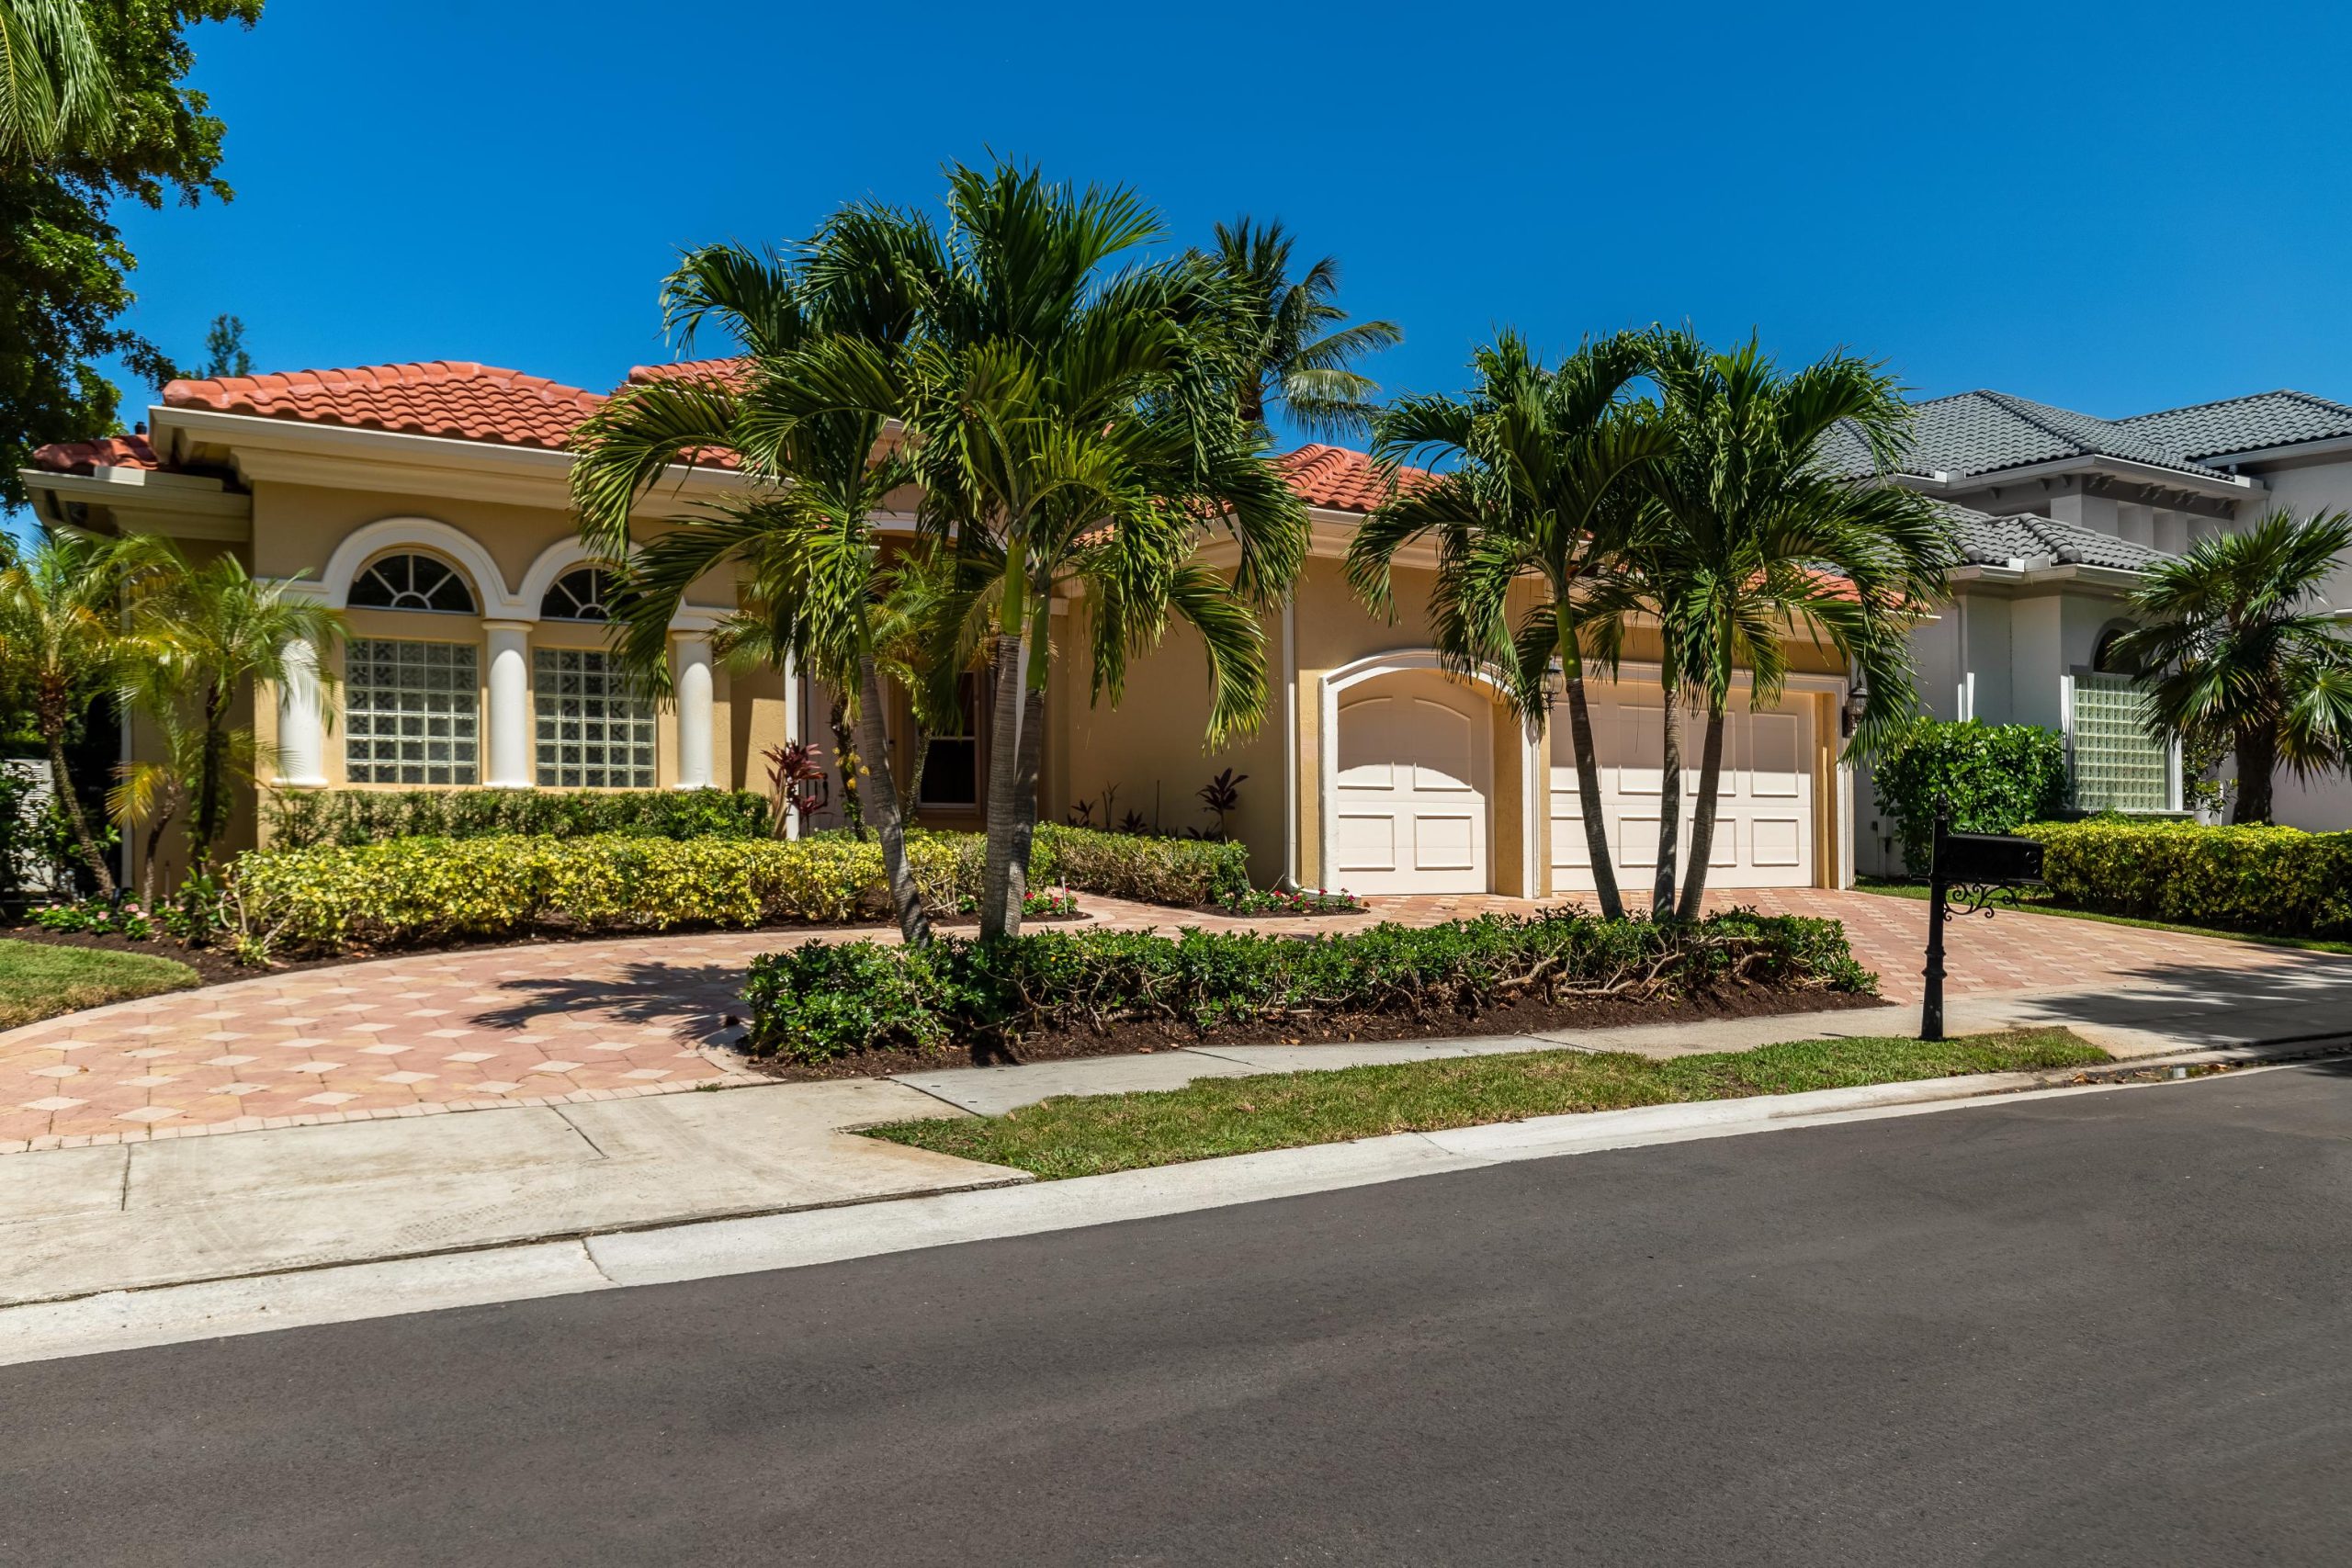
<point x="1072" y="423"/>
<point x="218" y="631"/>
<point x="1536" y="466"/>
<point x="53" y="82"/>
<point x="2239" y="647"/>
<point x="1631" y="586"/>
<point x="1287" y="334"/>
<point x="63" y="643"/>
<point x="151" y="793"/>
<point x="803" y="536"/>
<point x="1761" y="543"/>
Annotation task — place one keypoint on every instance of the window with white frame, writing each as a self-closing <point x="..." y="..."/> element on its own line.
<point x="412" y="712"/>
<point x="580" y="595"/>
<point x="595" y="732"/>
<point x="411" y="583"/>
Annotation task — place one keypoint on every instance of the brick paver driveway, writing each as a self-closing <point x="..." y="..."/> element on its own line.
<point x="431" y="1033"/>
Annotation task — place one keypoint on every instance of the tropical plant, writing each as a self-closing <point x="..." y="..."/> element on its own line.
<point x="1534" y="465"/>
<point x="54" y="86"/>
<point x="1288" y="332"/>
<point x="1222" y="796"/>
<point x="215" y="631"/>
<point x="62" y="640"/>
<point x="1069" y="422"/>
<point x="793" y="767"/>
<point x="2237" y="645"/>
<point x="820" y="469"/>
<point x="1759" y="543"/>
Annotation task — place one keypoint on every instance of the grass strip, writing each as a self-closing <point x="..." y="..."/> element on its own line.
<point x="1086" y="1135"/>
<point x="2045" y="903"/>
<point x="40" y="979"/>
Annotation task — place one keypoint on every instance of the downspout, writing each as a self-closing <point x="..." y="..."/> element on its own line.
<point x="1290" y="749"/>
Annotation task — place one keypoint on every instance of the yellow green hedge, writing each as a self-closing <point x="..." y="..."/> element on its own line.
<point x="2279" y="881"/>
<point x="404" y="891"/>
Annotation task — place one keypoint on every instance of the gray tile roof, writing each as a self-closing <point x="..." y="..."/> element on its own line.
<point x="1972" y="433"/>
<point x="2244" y="424"/>
<point x="1985" y="540"/>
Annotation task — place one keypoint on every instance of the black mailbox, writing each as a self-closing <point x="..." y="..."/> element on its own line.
<point x="1978" y="858"/>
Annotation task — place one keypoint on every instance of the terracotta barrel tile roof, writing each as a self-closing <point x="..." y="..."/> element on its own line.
<point x="454" y="399"/>
<point x="726" y="370"/>
<point x="85" y="457"/>
<point x="1339" y="478"/>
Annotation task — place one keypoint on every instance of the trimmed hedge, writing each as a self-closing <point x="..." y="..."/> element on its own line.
<point x="2275" y="881"/>
<point x="1996" y="776"/>
<point x="823" y="1001"/>
<point x="304" y="819"/>
<point x="412" y="890"/>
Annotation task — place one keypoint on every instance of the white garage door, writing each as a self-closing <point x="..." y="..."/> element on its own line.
<point x="1411" y="812"/>
<point x="1764" y="834"/>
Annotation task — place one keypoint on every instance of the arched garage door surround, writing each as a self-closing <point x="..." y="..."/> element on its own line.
<point x="1408" y="759"/>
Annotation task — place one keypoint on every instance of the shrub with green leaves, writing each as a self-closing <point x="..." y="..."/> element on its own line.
<point x="824" y="1000"/>
<point x="301" y="819"/>
<point x="2276" y="881"/>
<point x="1997" y="777"/>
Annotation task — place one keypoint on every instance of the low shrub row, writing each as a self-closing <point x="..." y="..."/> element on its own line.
<point x="823" y="1000"/>
<point x="407" y="891"/>
<point x="304" y="819"/>
<point x="2274" y="880"/>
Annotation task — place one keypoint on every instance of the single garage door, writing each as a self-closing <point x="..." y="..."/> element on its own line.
<point x="1764" y="834"/>
<point x="1411" y="814"/>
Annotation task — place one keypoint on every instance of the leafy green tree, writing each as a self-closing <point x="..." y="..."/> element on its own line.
<point x="2237" y="645"/>
<point x="1756" y="543"/>
<point x="1534" y="466"/>
<point x="53" y="85"/>
<point x="224" y="350"/>
<point x="63" y="643"/>
<point x="64" y="266"/>
<point x="1289" y="334"/>
<point x="805" y="536"/>
<point x="209" y="633"/>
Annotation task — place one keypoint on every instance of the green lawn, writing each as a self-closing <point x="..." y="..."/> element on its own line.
<point x="40" y="980"/>
<point x="1074" y="1135"/>
<point x="2043" y="903"/>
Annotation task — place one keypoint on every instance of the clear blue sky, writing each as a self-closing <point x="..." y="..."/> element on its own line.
<point x="2110" y="208"/>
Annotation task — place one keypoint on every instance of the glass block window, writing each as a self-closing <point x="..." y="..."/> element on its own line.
<point x="412" y="712"/>
<point x="593" y="733"/>
<point x="2117" y="766"/>
<point x="578" y="595"/>
<point x="411" y="583"/>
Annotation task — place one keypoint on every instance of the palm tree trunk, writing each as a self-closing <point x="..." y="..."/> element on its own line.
<point x="845" y="759"/>
<point x="1669" y="804"/>
<point x="1702" y="827"/>
<point x="906" y="899"/>
<point x="1596" y="828"/>
<point x="211" y="784"/>
<point x="911" y="786"/>
<point x="62" y="780"/>
<point x="2257" y="753"/>
<point x="1002" y="882"/>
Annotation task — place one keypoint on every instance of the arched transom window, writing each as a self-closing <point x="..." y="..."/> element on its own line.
<point x="580" y="595"/>
<point x="411" y="583"/>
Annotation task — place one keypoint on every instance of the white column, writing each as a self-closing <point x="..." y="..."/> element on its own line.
<point x="509" y="729"/>
<point x="301" y="721"/>
<point x="695" y="732"/>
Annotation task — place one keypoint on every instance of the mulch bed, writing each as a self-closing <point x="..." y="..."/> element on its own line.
<point x="1144" y="1037"/>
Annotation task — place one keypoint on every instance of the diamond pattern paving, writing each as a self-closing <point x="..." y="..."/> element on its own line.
<point x="600" y="1020"/>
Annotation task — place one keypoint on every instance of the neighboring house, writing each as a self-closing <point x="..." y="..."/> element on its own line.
<point x="429" y="503"/>
<point x="2058" y="513"/>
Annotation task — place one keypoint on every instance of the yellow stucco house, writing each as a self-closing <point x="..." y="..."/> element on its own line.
<point x="428" y="501"/>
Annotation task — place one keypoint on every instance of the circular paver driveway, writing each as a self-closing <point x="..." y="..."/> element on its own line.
<point x="646" y="1015"/>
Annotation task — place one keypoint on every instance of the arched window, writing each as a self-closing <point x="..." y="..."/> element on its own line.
<point x="579" y="594"/>
<point x="411" y="583"/>
<point x="2104" y="656"/>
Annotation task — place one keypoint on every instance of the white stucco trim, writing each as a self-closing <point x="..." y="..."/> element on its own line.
<point x="552" y="563"/>
<point x="369" y="540"/>
<point x="1399" y="662"/>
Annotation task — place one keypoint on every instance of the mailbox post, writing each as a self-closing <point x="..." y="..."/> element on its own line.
<point x="1981" y="868"/>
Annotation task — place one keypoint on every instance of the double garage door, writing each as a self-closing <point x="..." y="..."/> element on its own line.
<point x="1764" y="829"/>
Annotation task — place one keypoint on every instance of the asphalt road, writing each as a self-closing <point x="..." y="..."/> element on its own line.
<point x="2109" y="1328"/>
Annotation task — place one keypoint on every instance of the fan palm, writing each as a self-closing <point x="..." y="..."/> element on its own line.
<point x="2238" y="645"/>
<point x="53" y="82"/>
<point x="215" y="631"/>
<point x="62" y="643"/>
<point x="1536" y="466"/>
<point x="1072" y="423"/>
<point x="1288" y="333"/>
<point x="803" y="536"/>
<point x="1759" y="543"/>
